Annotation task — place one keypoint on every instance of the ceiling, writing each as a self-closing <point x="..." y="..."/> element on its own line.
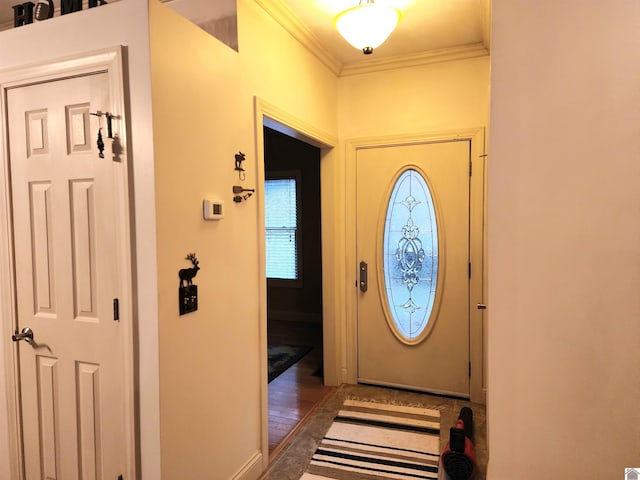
<point x="425" y="26"/>
<point x="429" y="30"/>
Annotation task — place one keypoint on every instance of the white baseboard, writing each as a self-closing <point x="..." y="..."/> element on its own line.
<point x="251" y="470"/>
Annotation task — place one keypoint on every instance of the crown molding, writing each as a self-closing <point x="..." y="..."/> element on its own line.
<point x="292" y="24"/>
<point x="282" y="14"/>
<point x="486" y="24"/>
<point x="415" y="59"/>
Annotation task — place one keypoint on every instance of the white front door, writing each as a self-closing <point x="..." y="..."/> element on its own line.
<point x="413" y="254"/>
<point x="71" y="376"/>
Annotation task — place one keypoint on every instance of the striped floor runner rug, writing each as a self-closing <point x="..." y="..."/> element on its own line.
<point x="373" y="441"/>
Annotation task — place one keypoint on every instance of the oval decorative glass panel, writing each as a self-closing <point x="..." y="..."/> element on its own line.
<point x="410" y="256"/>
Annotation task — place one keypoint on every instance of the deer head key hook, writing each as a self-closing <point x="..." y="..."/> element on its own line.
<point x="240" y="157"/>
<point x="186" y="274"/>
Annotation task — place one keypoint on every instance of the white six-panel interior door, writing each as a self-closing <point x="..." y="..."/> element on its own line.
<point x="74" y="377"/>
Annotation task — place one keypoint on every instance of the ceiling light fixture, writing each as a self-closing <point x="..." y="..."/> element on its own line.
<point x="367" y="25"/>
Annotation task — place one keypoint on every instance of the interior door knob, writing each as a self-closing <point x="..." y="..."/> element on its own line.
<point x="26" y="334"/>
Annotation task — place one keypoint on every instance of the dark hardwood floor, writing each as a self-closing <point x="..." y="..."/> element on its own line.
<point x="297" y="392"/>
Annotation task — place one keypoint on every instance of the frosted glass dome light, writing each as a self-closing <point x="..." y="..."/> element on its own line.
<point x="367" y="25"/>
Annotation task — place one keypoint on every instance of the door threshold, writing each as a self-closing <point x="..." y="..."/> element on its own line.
<point x="414" y="390"/>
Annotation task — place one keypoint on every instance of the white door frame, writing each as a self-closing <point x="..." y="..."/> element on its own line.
<point x="477" y="330"/>
<point x="107" y="61"/>
<point x="331" y="263"/>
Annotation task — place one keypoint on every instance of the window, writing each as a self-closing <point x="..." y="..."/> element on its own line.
<point x="411" y="254"/>
<point x="281" y="228"/>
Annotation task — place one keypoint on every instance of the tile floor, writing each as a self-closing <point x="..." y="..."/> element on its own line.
<point x="292" y="461"/>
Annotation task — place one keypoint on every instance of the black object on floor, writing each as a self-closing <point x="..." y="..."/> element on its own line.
<point x="459" y="456"/>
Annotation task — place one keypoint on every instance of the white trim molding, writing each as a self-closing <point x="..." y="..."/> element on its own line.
<point x="415" y="59"/>
<point x="332" y="248"/>
<point x="252" y="469"/>
<point x="292" y="24"/>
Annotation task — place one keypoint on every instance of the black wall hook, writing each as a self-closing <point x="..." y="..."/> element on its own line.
<point x="240" y="157"/>
<point x="109" y="117"/>
<point x="237" y="190"/>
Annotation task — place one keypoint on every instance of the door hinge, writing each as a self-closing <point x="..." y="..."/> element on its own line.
<point x="469" y="369"/>
<point x="469" y="269"/>
<point x="116" y="310"/>
<point x="470" y="168"/>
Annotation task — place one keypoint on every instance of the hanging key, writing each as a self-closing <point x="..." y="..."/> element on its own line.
<point x="100" y="144"/>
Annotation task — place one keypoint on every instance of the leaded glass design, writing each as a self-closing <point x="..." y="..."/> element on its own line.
<point x="410" y="252"/>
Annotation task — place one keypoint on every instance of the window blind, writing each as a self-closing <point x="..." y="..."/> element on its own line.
<point x="281" y="225"/>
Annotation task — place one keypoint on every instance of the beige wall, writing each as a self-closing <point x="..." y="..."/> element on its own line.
<point x="564" y="227"/>
<point x="426" y="99"/>
<point x="564" y="239"/>
<point x="203" y="114"/>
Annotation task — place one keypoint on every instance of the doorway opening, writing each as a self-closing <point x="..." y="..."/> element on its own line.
<point x="294" y="284"/>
